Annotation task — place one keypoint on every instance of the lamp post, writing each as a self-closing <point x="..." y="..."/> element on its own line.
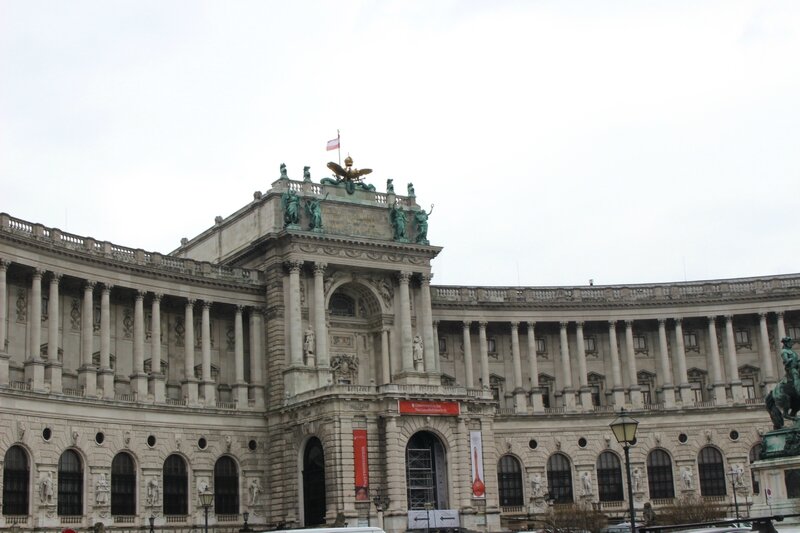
<point x="205" y="500"/>
<point x="152" y="520"/>
<point x="624" y="428"/>
<point x="246" y="517"/>
<point x="732" y="475"/>
<point x="428" y="507"/>
<point x="381" y="502"/>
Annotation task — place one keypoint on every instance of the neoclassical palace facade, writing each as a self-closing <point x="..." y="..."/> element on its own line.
<point x="301" y="367"/>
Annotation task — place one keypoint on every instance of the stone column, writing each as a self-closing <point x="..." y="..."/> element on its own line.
<point x="157" y="378"/>
<point x="239" y="385"/>
<point x="4" y="357"/>
<point x="781" y="331"/>
<point x="533" y="363"/>
<point x="683" y="376"/>
<point x="566" y="369"/>
<point x="618" y="388"/>
<point x="583" y="377"/>
<point x="469" y="377"/>
<point x="256" y="355"/>
<point x="436" y="345"/>
<point x="295" y="317"/>
<point x="138" y="377"/>
<point x="463" y="465"/>
<point x="189" y="383"/>
<point x="716" y="370"/>
<point x="405" y="324"/>
<point x="395" y="466"/>
<point x="731" y="361"/>
<point x="386" y="368"/>
<point x="635" y="392"/>
<point x="106" y="373"/>
<point x="665" y="368"/>
<point x="87" y="373"/>
<point x="765" y="352"/>
<point x="53" y="366"/>
<point x="520" y="402"/>
<point x="209" y="389"/>
<point x="484" y="347"/>
<point x="431" y="355"/>
<point x="320" y="325"/>
<point x="34" y="365"/>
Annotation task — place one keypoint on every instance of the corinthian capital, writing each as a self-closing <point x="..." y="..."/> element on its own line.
<point x="294" y="266"/>
<point x="319" y="268"/>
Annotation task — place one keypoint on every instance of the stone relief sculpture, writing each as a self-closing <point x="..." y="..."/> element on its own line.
<point x="636" y="480"/>
<point x="46" y="489"/>
<point x="398" y="219"/>
<point x="686" y="477"/>
<point x="421" y="219"/>
<point x="586" y="483"/>
<point x="152" y="491"/>
<point x="417" y="352"/>
<point x="101" y="491"/>
<point x="345" y="367"/>
<point x="255" y="490"/>
<point x="290" y="203"/>
<point x="309" y="342"/>
<point x="202" y="486"/>
<point x="738" y="476"/>
<point x="536" y="485"/>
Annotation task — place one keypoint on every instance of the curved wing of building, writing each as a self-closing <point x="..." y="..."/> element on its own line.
<point x="295" y="363"/>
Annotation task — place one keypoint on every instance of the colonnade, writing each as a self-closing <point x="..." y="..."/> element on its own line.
<point x="43" y="369"/>
<point x="625" y="389"/>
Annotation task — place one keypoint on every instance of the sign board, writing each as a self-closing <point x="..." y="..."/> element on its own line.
<point x="361" y="464"/>
<point x="440" y="518"/>
<point x="428" y="407"/>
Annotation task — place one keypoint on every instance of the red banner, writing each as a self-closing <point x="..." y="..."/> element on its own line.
<point x="361" y="461"/>
<point x="428" y="407"/>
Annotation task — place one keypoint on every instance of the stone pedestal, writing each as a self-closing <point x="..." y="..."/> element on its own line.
<point x="34" y="374"/>
<point x="618" y="394"/>
<point x="158" y="388"/>
<point x="87" y="378"/>
<point x="52" y="374"/>
<point x="536" y="400"/>
<point x="210" y="393"/>
<point x="780" y="480"/>
<point x="240" y="394"/>
<point x="586" y="398"/>
<point x="520" y="401"/>
<point x="107" y="383"/>
<point x="189" y="390"/>
<point x="139" y="385"/>
<point x="4" y="368"/>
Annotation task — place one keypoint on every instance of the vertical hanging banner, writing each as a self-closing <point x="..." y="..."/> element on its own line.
<point x="476" y="454"/>
<point x="361" y="462"/>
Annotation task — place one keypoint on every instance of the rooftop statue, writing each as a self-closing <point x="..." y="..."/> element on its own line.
<point x="351" y="177"/>
<point x="421" y="218"/>
<point x="284" y="175"/>
<point x="784" y="400"/>
<point x="314" y="210"/>
<point x="398" y="219"/>
<point x="290" y="203"/>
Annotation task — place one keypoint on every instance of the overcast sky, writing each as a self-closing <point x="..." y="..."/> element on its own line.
<point x="626" y="142"/>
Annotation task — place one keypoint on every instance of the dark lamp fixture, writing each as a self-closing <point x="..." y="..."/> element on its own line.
<point x="206" y="498"/>
<point x="624" y="428"/>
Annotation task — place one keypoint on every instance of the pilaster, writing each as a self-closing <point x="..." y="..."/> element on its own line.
<point x="138" y="377"/>
<point x="87" y="373"/>
<point x="189" y="383"/>
<point x="157" y="378"/>
<point x="53" y="367"/>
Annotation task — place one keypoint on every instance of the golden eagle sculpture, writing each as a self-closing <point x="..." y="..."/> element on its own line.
<point x="351" y="177"/>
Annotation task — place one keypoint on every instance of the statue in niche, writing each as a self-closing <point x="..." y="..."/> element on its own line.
<point x="686" y="477"/>
<point x="309" y="342"/>
<point x="586" y="483"/>
<point x="290" y="203"/>
<point x="421" y="218"/>
<point x="418" y="352"/>
<point x="152" y="491"/>
<point x="284" y="175"/>
<point x="390" y="186"/>
<point x="536" y="485"/>
<point x="101" y="490"/>
<point x="46" y="489"/>
<point x="255" y="491"/>
<point x="398" y="219"/>
<point x="636" y="480"/>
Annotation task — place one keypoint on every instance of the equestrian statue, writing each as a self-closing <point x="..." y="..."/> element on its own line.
<point x="783" y="402"/>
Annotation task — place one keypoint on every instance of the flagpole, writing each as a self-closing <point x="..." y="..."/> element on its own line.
<point x="339" y="143"/>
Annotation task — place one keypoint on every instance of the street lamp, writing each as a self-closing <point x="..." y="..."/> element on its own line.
<point x="205" y="500"/>
<point x="246" y="517"/>
<point x="733" y="474"/>
<point x="428" y="507"/>
<point x="381" y="502"/>
<point x="624" y="428"/>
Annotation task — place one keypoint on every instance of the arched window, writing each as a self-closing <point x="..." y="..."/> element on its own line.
<point x="755" y="455"/>
<point x="559" y="478"/>
<point x="342" y="305"/>
<point x="314" y="504"/>
<point x="509" y="480"/>
<point x="426" y="472"/>
<point x="123" y="485"/>
<point x="70" y="484"/>
<point x="712" y="472"/>
<point x="16" y="480"/>
<point x="176" y="486"/>
<point x="609" y="478"/>
<point x="659" y="475"/>
<point x="226" y="486"/>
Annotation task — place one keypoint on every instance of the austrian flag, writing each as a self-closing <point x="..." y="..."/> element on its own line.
<point x="333" y="144"/>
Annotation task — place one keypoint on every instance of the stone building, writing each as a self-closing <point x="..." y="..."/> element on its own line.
<point x="295" y="360"/>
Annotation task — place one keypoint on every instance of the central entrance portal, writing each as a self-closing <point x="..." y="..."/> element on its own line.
<point x="313" y="483"/>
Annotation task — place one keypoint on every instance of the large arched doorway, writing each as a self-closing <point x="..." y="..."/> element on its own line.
<point x="313" y="483"/>
<point x="426" y="471"/>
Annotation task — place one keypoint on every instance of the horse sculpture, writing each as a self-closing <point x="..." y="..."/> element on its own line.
<point x="783" y="402"/>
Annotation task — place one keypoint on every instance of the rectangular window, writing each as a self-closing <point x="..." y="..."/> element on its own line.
<point x="591" y="344"/>
<point x="442" y="344"/>
<point x="541" y="346"/>
<point x="546" y="397"/>
<point x="647" y="397"/>
<point x="793" y="332"/>
<point x="596" y="396"/>
<point x="640" y="344"/>
<point x="697" y="391"/>
<point x="749" y="387"/>
<point x="742" y="338"/>
<point x="491" y="342"/>
<point x="690" y="341"/>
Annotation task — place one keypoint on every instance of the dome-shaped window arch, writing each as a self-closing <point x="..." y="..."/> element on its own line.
<point x="711" y="469"/>
<point x="176" y="486"/>
<point x="659" y="474"/>
<point x="559" y="478"/>
<point x="70" y="484"/>
<point x="509" y="481"/>
<point x="123" y="485"/>
<point x="16" y="481"/>
<point x="609" y="478"/>
<point x="226" y="486"/>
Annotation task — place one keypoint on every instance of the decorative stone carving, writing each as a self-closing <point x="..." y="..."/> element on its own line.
<point x="586" y="484"/>
<point x="153" y="491"/>
<point x="127" y="322"/>
<point x="203" y="486"/>
<point x="536" y="485"/>
<point x="345" y="367"/>
<point x="102" y="491"/>
<point x="254" y="488"/>
<point x="180" y="330"/>
<point x="21" y="430"/>
<point x="417" y="350"/>
<point x="636" y="480"/>
<point x="687" y="478"/>
<point x="46" y="489"/>
<point x="22" y="304"/>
